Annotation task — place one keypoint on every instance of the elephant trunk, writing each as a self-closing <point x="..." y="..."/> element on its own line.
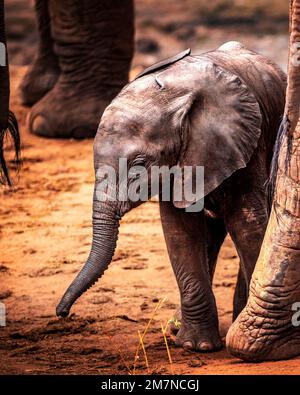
<point x="105" y="235"/>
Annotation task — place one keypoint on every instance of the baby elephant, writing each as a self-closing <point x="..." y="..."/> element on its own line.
<point x="220" y="110"/>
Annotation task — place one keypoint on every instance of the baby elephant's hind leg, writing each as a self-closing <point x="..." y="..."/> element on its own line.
<point x="246" y="220"/>
<point x="186" y="242"/>
<point x="215" y="235"/>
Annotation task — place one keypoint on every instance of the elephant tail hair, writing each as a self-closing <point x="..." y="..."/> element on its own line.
<point x="283" y="133"/>
<point x="12" y="130"/>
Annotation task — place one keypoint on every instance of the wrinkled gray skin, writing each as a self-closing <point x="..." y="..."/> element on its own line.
<point x="220" y="110"/>
<point x="268" y="327"/>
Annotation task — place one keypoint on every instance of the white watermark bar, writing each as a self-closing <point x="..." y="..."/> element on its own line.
<point x="2" y="54"/>
<point x="296" y="316"/>
<point x="2" y="315"/>
<point x="295" y="54"/>
<point x="181" y="185"/>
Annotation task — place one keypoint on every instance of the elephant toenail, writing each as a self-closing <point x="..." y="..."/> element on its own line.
<point x="205" y="346"/>
<point x="188" y="345"/>
<point x="38" y="125"/>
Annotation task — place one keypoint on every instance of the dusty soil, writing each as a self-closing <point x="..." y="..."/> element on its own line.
<point x="45" y="234"/>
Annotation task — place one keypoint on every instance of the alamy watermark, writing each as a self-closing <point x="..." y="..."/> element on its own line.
<point x="184" y="185"/>
<point x="296" y="316"/>
<point x="2" y="54"/>
<point x="295" y="54"/>
<point x="2" y="315"/>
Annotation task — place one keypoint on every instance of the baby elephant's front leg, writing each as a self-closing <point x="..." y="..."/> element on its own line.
<point x="186" y="242"/>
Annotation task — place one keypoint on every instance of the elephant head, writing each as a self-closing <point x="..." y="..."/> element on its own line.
<point x="188" y="113"/>
<point x="8" y="123"/>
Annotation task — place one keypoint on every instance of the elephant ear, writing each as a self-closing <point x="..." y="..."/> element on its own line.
<point x="220" y="127"/>
<point x="164" y="63"/>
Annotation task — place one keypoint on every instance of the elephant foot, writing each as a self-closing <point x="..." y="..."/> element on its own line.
<point x="196" y="338"/>
<point x="69" y="111"/>
<point x="263" y="335"/>
<point x="39" y="80"/>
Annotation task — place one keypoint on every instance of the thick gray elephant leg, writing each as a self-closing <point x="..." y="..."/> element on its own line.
<point x="8" y="122"/>
<point x="4" y="76"/>
<point x="240" y="294"/>
<point x="94" y="43"/>
<point x="247" y="235"/>
<point x="215" y="235"/>
<point x="246" y="217"/>
<point x="186" y="243"/>
<point x="44" y="71"/>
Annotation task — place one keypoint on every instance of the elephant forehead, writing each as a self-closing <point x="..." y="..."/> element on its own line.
<point x="172" y="88"/>
<point x="132" y="120"/>
<point x="140" y="102"/>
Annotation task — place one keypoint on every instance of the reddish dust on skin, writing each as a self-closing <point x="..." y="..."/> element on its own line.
<point x="45" y="238"/>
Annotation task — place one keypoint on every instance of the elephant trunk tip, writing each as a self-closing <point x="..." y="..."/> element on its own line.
<point x="65" y="304"/>
<point x="75" y="290"/>
<point x="62" y="310"/>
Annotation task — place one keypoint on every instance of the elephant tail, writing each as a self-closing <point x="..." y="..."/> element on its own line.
<point x="12" y="130"/>
<point x="283" y="133"/>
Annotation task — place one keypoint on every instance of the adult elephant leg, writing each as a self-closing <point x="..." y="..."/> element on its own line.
<point x="246" y="217"/>
<point x="8" y="123"/>
<point x="44" y="72"/>
<point x="215" y="235"/>
<point x="4" y="73"/>
<point x="267" y="329"/>
<point x="94" y="43"/>
<point x="186" y="243"/>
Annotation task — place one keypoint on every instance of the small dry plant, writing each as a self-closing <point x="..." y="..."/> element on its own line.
<point x="141" y="344"/>
<point x="142" y="337"/>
